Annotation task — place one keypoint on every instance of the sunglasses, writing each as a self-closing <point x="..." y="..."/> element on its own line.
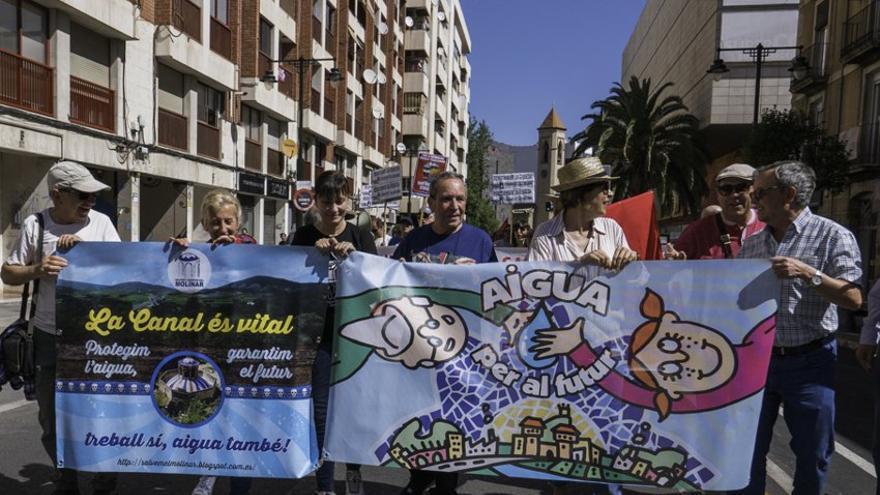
<point x="759" y="193"/>
<point x="728" y="189"/>
<point x="82" y="196"/>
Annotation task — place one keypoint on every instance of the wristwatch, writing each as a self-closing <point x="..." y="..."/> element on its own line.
<point x="816" y="279"/>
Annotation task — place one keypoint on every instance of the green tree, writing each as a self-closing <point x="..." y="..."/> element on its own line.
<point x="651" y="142"/>
<point x="480" y="211"/>
<point x="789" y="135"/>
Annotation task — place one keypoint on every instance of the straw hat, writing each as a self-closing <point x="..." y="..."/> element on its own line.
<point x="580" y="172"/>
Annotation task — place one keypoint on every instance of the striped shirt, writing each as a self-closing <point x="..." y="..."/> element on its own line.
<point x="804" y="315"/>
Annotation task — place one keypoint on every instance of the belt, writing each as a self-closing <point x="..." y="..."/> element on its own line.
<point x="797" y="350"/>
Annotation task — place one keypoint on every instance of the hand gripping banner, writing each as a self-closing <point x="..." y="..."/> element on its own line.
<point x="649" y="377"/>
<point x="193" y="360"/>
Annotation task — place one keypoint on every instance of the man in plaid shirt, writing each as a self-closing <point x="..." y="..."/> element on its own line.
<point x="819" y="264"/>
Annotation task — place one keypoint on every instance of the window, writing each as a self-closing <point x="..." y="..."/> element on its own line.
<point x="210" y="106"/>
<point x="252" y="122"/>
<point x="220" y="11"/>
<point x="545" y="152"/>
<point x="170" y="89"/>
<point x="89" y="56"/>
<point x="24" y="29"/>
<point x="265" y="37"/>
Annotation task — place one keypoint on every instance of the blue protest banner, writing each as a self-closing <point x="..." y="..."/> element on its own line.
<point x="650" y="377"/>
<point x="188" y="360"/>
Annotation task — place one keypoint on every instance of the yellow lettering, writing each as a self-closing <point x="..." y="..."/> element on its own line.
<point x="265" y="324"/>
<point x="144" y="321"/>
<point x="104" y="315"/>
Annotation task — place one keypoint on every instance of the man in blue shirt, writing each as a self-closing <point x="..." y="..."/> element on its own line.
<point x="446" y="240"/>
<point x="819" y="265"/>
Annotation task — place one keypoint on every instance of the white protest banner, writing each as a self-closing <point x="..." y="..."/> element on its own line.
<point x="366" y="196"/>
<point x="513" y="188"/>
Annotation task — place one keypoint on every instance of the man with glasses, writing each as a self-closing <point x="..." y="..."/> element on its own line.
<point x="720" y="235"/>
<point x="819" y="265"/>
<point x="70" y="220"/>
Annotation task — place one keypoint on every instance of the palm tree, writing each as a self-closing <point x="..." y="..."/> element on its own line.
<point x="650" y="145"/>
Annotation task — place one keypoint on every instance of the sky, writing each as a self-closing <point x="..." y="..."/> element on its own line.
<point x="530" y="55"/>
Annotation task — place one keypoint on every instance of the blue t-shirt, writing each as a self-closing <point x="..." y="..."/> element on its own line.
<point x="423" y="244"/>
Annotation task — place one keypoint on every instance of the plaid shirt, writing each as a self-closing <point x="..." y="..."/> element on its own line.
<point x="803" y="314"/>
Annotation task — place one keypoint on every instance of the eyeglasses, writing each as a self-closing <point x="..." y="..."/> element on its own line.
<point x="728" y="189"/>
<point x="82" y="196"/>
<point x="760" y="192"/>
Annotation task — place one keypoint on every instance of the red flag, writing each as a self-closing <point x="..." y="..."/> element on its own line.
<point x="638" y="218"/>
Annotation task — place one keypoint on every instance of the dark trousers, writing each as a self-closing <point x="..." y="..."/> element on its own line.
<point x="320" y="398"/>
<point x="804" y="386"/>
<point x="875" y="370"/>
<point x="45" y="356"/>
<point x="445" y="483"/>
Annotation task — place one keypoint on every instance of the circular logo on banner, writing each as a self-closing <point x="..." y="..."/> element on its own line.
<point x="303" y="199"/>
<point x="189" y="271"/>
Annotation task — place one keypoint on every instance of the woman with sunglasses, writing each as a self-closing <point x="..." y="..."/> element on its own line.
<point x="721" y="235"/>
<point x="581" y="232"/>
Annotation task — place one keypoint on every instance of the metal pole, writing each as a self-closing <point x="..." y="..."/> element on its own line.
<point x="759" y="60"/>
<point x="299" y="119"/>
<point x="409" y="193"/>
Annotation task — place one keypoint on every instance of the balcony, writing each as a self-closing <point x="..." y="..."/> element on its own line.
<point x="275" y="163"/>
<point x="173" y="130"/>
<point x="208" y="141"/>
<point x="417" y="40"/>
<point x="221" y="39"/>
<point x="92" y="105"/>
<point x="188" y="55"/>
<point x="417" y="82"/>
<point x="414" y="103"/>
<point x="187" y="17"/>
<point x="26" y="84"/>
<point x="253" y="159"/>
<point x="861" y="36"/>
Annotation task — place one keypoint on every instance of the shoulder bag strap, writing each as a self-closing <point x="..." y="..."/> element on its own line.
<point x="725" y="237"/>
<point x="41" y="227"/>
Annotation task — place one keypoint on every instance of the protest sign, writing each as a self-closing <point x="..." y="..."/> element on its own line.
<point x="652" y="376"/>
<point x="365" y="196"/>
<point x="386" y="185"/>
<point x="510" y="189"/>
<point x="429" y="166"/>
<point x="188" y="360"/>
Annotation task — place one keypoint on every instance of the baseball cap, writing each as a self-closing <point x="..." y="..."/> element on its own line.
<point x="70" y="175"/>
<point x="741" y="171"/>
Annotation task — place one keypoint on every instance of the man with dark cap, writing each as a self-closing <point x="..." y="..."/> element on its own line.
<point x="71" y="219"/>
<point x="720" y="235"/>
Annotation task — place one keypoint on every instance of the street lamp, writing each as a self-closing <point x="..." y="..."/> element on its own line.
<point x="759" y="56"/>
<point x="403" y="150"/>
<point x="301" y="64"/>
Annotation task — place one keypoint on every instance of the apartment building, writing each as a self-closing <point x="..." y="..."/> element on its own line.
<point x="436" y="86"/>
<point x="678" y="40"/>
<point x="840" y="92"/>
<point x="167" y="99"/>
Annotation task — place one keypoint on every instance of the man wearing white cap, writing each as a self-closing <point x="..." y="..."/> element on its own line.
<point x="722" y="234"/>
<point x="70" y="220"/>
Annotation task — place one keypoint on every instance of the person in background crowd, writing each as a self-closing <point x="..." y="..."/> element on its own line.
<point x="283" y="239"/>
<point x="819" y="265"/>
<point x="720" y="235"/>
<point x="380" y="236"/>
<point x="522" y="234"/>
<point x="427" y="216"/>
<point x="333" y="236"/>
<point x="403" y="227"/>
<point x="446" y="240"/>
<point x="71" y="220"/>
<point x="221" y="219"/>
<point x="865" y="354"/>
<point x="581" y="232"/>
<point x="502" y="237"/>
